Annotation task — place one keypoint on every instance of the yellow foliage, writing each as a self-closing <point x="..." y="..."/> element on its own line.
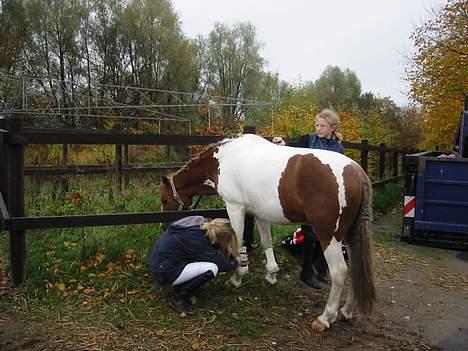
<point x="373" y="129"/>
<point x="350" y="127"/>
<point x="294" y="121"/>
<point x="438" y="72"/>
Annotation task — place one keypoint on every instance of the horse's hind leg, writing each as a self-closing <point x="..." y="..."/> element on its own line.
<point x="236" y="216"/>
<point x="265" y="237"/>
<point x="348" y="308"/>
<point x="338" y="270"/>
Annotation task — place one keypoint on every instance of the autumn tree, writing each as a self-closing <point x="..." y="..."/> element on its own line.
<point x="234" y="65"/>
<point x="295" y="112"/>
<point x="438" y="71"/>
<point x="12" y="34"/>
<point x="269" y="93"/>
<point x="13" y="30"/>
<point x="337" y="89"/>
<point x="159" y="54"/>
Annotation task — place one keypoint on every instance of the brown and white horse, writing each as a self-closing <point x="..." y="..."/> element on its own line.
<point x="281" y="184"/>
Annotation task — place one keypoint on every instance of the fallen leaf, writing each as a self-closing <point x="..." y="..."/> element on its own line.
<point x="159" y="332"/>
<point x="151" y="296"/>
<point x="88" y="291"/>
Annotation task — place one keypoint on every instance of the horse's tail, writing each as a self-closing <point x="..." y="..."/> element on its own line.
<point x="361" y="252"/>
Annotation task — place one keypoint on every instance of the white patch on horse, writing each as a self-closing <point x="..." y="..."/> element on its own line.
<point x="250" y="174"/>
<point x="210" y="183"/>
<point x="341" y="197"/>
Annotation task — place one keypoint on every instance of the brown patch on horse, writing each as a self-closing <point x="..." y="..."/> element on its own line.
<point x="308" y="193"/>
<point x="353" y="196"/>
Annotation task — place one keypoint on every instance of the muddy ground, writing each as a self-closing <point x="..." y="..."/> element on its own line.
<point x="422" y="305"/>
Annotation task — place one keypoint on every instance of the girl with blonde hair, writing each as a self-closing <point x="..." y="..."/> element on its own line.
<point x="189" y="254"/>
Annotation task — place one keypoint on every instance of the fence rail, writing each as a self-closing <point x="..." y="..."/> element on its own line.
<point x="98" y="169"/>
<point x="13" y="138"/>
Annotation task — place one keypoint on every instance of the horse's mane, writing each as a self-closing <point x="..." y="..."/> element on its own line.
<point x="200" y="154"/>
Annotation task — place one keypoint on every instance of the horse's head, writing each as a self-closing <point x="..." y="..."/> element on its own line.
<point x="198" y="177"/>
<point x="173" y="199"/>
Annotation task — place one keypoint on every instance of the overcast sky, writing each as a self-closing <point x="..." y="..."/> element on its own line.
<point x="302" y="37"/>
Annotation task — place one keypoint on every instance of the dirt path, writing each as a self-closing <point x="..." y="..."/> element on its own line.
<point x="422" y="305"/>
<point x="438" y="314"/>
<point x="428" y="295"/>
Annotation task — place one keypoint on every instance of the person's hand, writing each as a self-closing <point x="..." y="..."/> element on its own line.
<point x="339" y="136"/>
<point x="278" y="141"/>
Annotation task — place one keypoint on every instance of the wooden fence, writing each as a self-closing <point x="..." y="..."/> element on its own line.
<point x="13" y="138"/>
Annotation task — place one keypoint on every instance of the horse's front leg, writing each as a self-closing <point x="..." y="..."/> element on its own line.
<point x="338" y="271"/>
<point x="271" y="266"/>
<point x="236" y="215"/>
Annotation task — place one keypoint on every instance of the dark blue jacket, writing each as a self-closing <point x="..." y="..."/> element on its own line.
<point x="182" y="243"/>
<point x="313" y="141"/>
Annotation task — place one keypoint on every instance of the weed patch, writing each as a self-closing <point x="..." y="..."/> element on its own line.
<point x="388" y="197"/>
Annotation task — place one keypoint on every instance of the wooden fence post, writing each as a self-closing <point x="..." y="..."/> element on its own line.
<point x="381" y="160"/>
<point x="125" y="164"/>
<point x="364" y="154"/>
<point x="64" y="178"/>
<point x="16" y="203"/>
<point x="118" y="166"/>
<point x="249" y="130"/>
<point x="395" y="164"/>
<point x="249" y="220"/>
<point x="4" y="174"/>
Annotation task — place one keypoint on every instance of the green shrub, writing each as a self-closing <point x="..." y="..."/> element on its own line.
<point x="387" y="197"/>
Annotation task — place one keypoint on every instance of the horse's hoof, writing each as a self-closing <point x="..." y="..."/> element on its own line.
<point x="272" y="268"/>
<point x="271" y="278"/>
<point x="317" y="325"/>
<point x="231" y="284"/>
<point x="344" y="316"/>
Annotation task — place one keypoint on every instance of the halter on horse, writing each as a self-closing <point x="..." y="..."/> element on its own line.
<point x="280" y="184"/>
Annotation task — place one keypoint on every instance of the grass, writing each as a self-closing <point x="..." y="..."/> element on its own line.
<point x="94" y="281"/>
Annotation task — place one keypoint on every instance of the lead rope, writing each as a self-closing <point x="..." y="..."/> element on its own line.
<point x="195" y="204"/>
<point x="175" y="194"/>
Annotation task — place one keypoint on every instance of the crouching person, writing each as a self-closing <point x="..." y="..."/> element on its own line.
<point x="189" y="254"/>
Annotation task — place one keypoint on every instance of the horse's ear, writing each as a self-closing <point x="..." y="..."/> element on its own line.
<point x="165" y="180"/>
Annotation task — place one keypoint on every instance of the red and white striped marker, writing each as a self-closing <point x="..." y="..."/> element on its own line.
<point x="409" y="206"/>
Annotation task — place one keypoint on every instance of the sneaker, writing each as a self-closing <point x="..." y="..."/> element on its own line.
<point x="323" y="278"/>
<point x="287" y="241"/>
<point x="311" y="281"/>
<point x="181" y="304"/>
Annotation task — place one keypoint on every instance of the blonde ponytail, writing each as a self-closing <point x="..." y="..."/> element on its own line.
<point x="219" y="231"/>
